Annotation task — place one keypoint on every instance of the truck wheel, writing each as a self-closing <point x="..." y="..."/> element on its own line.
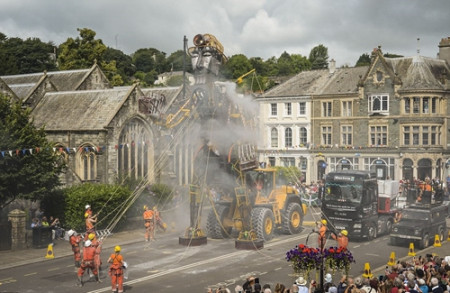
<point x="389" y="227"/>
<point x="292" y="219"/>
<point x="441" y="234"/>
<point x="372" y="233"/>
<point x="215" y="228"/>
<point x="425" y="241"/>
<point x="263" y="222"/>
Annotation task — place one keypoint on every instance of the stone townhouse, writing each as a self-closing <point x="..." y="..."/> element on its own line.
<point x="390" y="118"/>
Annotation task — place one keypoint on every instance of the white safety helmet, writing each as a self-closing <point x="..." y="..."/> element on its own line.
<point x="87" y="206"/>
<point x="71" y="232"/>
<point x="125" y="265"/>
<point x="87" y="243"/>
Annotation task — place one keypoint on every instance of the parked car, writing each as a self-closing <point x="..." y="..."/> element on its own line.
<point x="419" y="224"/>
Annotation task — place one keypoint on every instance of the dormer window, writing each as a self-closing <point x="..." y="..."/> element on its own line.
<point x="378" y="104"/>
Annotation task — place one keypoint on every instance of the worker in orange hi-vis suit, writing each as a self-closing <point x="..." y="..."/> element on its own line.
<point x="149" y="224"/>
<point x="90" y="221"/>
<point x="75" y="240"/>
<point x="116" y="270"/>
<point x="341" y="238"/>
<point x="98" y="249"/>
<point x="322" y="233"/>
<point x="87" y="262"/>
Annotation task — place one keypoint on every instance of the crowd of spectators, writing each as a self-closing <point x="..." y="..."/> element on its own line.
<point x="41" y="221"/>
<point x="427" y="274"/>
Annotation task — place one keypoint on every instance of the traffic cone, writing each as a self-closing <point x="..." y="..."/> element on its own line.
<point x="437" y="241"/>
<point x="50" y="253"/>
<point x="391" y="261"/>
<point x="367" y="271"/>
<point x="411" y="250"/>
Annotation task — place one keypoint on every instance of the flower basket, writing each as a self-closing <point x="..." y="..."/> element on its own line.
<point x="304" y="259"/>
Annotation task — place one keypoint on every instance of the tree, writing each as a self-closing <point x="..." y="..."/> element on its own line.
<point x="150" y="59"/>
<point x="123" y="62"/>
<point x="24" y="175"/>
<point x="319" y="57"/>
<point x="300" y="63"/>
<point x="236" y="66"/>
<point x="363" y="60"/>
<point x="82" y="52"/>
<point x="175" y="61"/>
<point x="285" y="67"/>
<point x="29" y="56"/>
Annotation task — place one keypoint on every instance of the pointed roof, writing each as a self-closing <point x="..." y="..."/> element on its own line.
<point x="23" y="85"/>
<point x="80" y="110"/>
<point x="419" y="73"/>
<point x="320" y="82"/>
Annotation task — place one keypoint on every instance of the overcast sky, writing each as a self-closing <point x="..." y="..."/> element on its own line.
<point x="255" y="28"/>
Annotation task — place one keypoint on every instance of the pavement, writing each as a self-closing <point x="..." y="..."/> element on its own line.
<point x="62" y="248"/>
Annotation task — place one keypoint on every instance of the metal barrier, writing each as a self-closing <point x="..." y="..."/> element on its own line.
<point x="100" y="233"/>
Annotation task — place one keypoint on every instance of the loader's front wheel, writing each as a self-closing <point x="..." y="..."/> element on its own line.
<point x="292" y="219"/>
<point x="263" y="222"/>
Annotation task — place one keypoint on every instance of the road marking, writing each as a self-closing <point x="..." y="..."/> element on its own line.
<point x="54" y="269"/>
<point x="30" y="274"/>
<point x="371" y="254"/>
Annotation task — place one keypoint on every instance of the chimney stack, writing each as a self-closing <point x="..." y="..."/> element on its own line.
<point x="332" y="67"/>
<point x="444" y="50"/>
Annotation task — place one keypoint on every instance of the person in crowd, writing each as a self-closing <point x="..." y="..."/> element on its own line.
<point x="328" y="282"/>
<point x="116" y="270"/>
<point x="44" y="222"/>
<point x="74" y="240"/>
<point x="35" y="223"/>
<point x="301" y="284"/>
<point x="56" y="227"/>
<point x="358" y="282"/>
<point x="87" y="263"/>
<point x="279" y="288"/>
<point x="344" y="284"/>
<point x="435" y="286"/>
<point x="149" y="224"/>
<point x="321" y="192"/>
<point x="249" y="283"/>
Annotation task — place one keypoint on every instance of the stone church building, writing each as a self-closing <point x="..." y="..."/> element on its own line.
<point x="104" y="133"/>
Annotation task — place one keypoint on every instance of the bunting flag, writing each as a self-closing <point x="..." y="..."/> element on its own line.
<point x="73" y="150"/>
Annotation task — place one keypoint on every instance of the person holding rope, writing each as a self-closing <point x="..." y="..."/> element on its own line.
<point x="149" y="224"/>
<point x="322" y="225"/>
<point x="116" y="270"/>
<point x="98" y="249"/>
<point x="87" y="263"/>
<point x="90" y="221"/>
<point x="75" y="240"/>
<point x="341" y="238"/>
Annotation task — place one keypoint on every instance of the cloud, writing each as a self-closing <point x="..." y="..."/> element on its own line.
<point x="255" y="28"/>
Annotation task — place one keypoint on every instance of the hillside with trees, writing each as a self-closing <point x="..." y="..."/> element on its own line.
<point x="32" y="55"/>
